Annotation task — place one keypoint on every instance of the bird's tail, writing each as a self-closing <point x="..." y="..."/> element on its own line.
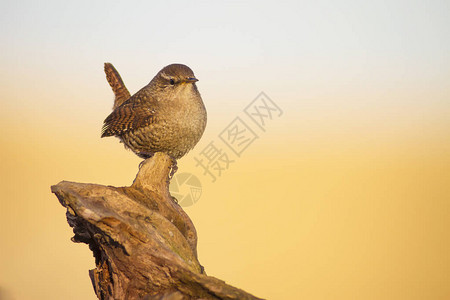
<point x="115" y="81"/>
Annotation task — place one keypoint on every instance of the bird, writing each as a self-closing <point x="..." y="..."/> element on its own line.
<point x="167" y="115"/>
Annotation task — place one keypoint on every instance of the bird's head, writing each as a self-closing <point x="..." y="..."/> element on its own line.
<point x="175" y="75"/>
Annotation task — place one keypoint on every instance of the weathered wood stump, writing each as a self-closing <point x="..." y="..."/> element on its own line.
<point x="144" y="244"/>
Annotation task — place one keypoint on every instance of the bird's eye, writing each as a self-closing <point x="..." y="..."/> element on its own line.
<point x="172" y="82"/>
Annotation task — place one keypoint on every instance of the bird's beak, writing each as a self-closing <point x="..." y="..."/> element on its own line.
<point x="191" y="80"/>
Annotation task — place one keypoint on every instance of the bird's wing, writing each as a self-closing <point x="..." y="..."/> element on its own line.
<point x="127" y="117"/>
<point x="115" y="81"/>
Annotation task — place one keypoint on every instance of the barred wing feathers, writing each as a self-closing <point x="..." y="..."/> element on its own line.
<point x="127" y="117"/>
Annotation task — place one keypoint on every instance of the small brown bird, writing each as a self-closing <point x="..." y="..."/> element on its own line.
<point x="167" y="115"/>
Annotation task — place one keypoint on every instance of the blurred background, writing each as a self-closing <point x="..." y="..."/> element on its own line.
<point x="344" y="196"/>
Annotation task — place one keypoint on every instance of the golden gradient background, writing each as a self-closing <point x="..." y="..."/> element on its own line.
<point x="345" y="196"/>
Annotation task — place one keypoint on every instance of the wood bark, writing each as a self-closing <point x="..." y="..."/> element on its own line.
<point x="144" y="244"/>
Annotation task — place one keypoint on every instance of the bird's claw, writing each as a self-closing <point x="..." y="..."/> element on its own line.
<point x="173" y="168"/>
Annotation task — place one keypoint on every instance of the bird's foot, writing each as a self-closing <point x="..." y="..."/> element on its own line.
<point x="173" y="167"/>
<point x="144" y="155"/>
<point x="141" y="163"/>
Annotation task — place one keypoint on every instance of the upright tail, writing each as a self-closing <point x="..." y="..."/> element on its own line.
<point x="115" y="81"/>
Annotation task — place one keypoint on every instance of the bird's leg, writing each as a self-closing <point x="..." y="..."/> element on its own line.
<point x="144" y="155"/>
<point x="173" y="167"/>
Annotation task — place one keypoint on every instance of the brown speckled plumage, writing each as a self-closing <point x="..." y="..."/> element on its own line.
<point x="167" y="115"/>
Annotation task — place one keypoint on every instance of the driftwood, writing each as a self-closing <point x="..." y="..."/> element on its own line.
<point x="144" y="244"/>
